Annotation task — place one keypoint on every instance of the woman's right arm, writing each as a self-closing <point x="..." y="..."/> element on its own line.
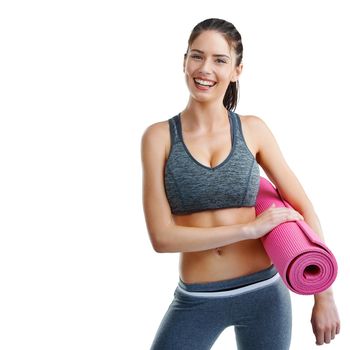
<point x="164" y="233"/>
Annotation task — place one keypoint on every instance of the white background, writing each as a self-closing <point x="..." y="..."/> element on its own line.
<point x="80" y="81"/>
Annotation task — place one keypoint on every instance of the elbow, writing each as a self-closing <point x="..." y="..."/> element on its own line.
<point x="158" y="243"/>
<point x="161" y="239"/>
<point x="157" y="247"/>
<point x="161" y="248"/>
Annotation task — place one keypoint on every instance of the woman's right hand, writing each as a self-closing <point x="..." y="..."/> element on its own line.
<point x="270" y="218"/>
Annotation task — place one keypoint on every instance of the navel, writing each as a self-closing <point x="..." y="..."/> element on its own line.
<point x="218" y="251"/>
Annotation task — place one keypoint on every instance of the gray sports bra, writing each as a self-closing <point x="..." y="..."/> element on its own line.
<point x="191" y="186"/>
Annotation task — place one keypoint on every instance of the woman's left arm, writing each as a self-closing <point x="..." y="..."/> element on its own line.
<point x="325" y="319"/>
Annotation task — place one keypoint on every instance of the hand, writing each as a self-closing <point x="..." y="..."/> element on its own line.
<point x="271" y="218"/>
<point x="325" y="320"/>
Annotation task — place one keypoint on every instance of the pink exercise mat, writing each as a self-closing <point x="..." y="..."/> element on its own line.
<point x="305" y="263"/>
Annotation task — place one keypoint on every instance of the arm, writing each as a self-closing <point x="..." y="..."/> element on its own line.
<point x="164" y="234"/>
<point x="325" y="320"/>
<point x="176" y="238"/>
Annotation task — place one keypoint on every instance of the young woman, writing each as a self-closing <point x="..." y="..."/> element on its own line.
<point x="200" y="182"/>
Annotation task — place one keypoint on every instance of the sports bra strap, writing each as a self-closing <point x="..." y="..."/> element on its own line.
<point x="173" y="123"/>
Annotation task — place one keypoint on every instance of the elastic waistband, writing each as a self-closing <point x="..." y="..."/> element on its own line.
<point x="231" y="286"/>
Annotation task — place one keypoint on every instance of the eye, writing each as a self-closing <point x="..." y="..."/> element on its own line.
<point x="218" y="60"/>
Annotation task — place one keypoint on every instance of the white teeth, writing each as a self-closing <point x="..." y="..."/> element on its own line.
<point x="204" y="82"/>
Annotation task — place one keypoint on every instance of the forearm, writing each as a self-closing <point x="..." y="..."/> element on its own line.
<point x="178" y="238"/>
<point x="312" y="220"/>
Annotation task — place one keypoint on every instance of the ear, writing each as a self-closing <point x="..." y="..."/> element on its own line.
<point x="236" y="72"/>
<point x="184" y="62"/>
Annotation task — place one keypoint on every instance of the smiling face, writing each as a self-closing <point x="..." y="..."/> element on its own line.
<point x="210" y="66"/>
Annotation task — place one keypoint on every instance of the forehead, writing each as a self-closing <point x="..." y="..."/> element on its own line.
<point x="212" y="42"/>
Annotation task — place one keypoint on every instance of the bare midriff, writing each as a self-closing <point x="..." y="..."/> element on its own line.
<point x="230" y="261"/>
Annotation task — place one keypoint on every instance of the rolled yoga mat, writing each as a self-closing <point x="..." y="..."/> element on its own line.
<point x="305" y="263"/>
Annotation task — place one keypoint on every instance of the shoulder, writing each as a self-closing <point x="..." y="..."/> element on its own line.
<point x="156" y="135"/>
<point x="156" y="130"/>
<point x="252" y="122"/>
<point x="254" y="126"/>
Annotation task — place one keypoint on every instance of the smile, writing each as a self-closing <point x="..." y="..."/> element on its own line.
<point x="206" y="83"/>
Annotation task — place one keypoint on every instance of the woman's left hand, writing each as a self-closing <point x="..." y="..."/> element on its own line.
<point x="325" y="319"/>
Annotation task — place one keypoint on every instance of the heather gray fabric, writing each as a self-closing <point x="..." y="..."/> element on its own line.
<point x="191" y="186"/>
<point x="257" y="305"/>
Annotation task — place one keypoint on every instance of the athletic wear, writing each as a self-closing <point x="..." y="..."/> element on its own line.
<point x="192" y="186"/>
<point x="257" y="305"/>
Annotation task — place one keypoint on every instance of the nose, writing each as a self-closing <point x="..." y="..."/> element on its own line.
<point x="205" y="67"/>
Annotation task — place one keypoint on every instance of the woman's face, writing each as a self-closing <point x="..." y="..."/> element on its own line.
<point x="211" y="59"/>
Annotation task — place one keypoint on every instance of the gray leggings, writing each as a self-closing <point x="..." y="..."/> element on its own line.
<point x="257" y="305"/>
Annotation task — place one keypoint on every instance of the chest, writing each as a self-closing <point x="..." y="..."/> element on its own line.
<point x="222" y="174"/>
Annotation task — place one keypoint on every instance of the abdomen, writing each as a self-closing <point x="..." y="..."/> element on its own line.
<point x="230" y="261"/>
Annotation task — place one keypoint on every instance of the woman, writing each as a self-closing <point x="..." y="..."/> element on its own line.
<point x="200" y="182"/>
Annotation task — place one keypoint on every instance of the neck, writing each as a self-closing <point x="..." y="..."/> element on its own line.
<point x="211" y="115"/>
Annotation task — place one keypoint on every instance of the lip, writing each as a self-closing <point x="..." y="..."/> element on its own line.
<point x="203" y="88"/>
<point x="212" y="81"/>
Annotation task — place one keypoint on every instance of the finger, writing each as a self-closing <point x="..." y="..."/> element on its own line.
<point x="337" y="330"/>
<point x="299" y="215"/>
<point x="333" y="332"/>
<point x="296" y="213"/>
<point x="292" y="216"/>
<point x="288" y="212"/>
<point x="327" y="336"/>
<point x="319" y="337"/>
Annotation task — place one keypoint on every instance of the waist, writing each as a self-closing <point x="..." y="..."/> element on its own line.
<point x="230" y="286"/>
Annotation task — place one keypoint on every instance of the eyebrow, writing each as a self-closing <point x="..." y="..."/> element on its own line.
<point x="217" y="55"/>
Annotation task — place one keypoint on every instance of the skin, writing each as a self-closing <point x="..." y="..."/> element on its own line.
<point x="206" y="133"/>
